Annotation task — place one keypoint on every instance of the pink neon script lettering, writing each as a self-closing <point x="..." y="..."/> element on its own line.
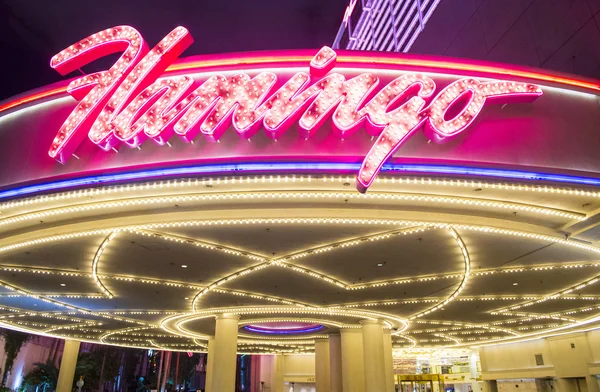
<point x="129" y="104"/>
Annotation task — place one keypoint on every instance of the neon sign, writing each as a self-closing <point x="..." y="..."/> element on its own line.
<point x="130" y="102"/>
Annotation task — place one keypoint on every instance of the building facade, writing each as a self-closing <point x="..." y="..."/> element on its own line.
<point x="383" y="25"/>
<point x="561" y="35"/>
<point x="333" y="211"/>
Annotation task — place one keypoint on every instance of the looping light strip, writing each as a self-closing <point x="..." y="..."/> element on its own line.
<point x="120" y="331"/>
<point x="198" y="243"/>
<point x="559" y="294"/>
<point x="226" y="279"/>
<point x="460" y="326"/>
<point x="491" y="230"/>
<point x="99" y="252"/>
<point x="279" y="262"/>
<point x="463" y="283"/>
<point x="259" y="296"/>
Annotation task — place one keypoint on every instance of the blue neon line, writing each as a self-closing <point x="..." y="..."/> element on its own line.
<point x="295" y="166"/>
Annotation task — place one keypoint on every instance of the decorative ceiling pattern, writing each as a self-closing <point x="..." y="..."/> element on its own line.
<point x="442" y="262"/>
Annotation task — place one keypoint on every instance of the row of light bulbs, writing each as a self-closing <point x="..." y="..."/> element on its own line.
<point x="135" y="188"/>
<point x="96" y="261"/>
<point x="570" y="290"/>
<point x="486" y="230"/>
<point x="292" y="196"/>
<point x="463" y="283"/>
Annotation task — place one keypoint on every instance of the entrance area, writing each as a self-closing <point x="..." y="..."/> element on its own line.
<point x="420" y="383"/>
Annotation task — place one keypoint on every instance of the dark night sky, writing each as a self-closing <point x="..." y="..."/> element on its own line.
<point x="32" y="31"/>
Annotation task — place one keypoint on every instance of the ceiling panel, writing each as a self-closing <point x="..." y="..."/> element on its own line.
<point x="423" y="253"/>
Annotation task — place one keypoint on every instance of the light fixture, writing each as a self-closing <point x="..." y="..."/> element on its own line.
<point x="63" y="285"/>
<point x="380" y="264"/>
<point x="187" y="298"/>
<point x="515" y="284"/>
<point x="183" y="266"/>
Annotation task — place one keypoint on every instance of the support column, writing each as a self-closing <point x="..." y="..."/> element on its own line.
<point x="372" y="332"/>
<point x="388" y="358"/>
<point x="353" y="361"/>
<point x="322" y="365"/>
<point x="335" y="363"/>
<point x="255" y="370"/>
<point x="66" y="374"/>
<point x="160" y="369"/>
<point x="592" y="384"/>
<point x="277" y="373"/>
<point x="176" y="383"/>
<point x="225" y="353"/>
<point x="166" y="369"/>
<point x="209" y="363"/>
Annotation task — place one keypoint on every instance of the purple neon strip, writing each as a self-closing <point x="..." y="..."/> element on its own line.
<point x="282" y="331"/>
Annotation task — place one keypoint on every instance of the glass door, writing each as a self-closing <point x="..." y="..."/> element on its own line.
<point x="424" y="386"/>
<point x="416" y="386"/>
<point x="406" y="386"/>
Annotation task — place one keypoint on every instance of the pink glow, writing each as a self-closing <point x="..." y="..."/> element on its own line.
<point x="145" y="73"/>
<point x="128" y="104"/>
<point x="323" y="62"/>
<point x="93" y="90"/>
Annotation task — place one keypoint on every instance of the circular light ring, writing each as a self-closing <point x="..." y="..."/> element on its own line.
<point x="175" y="324"/>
